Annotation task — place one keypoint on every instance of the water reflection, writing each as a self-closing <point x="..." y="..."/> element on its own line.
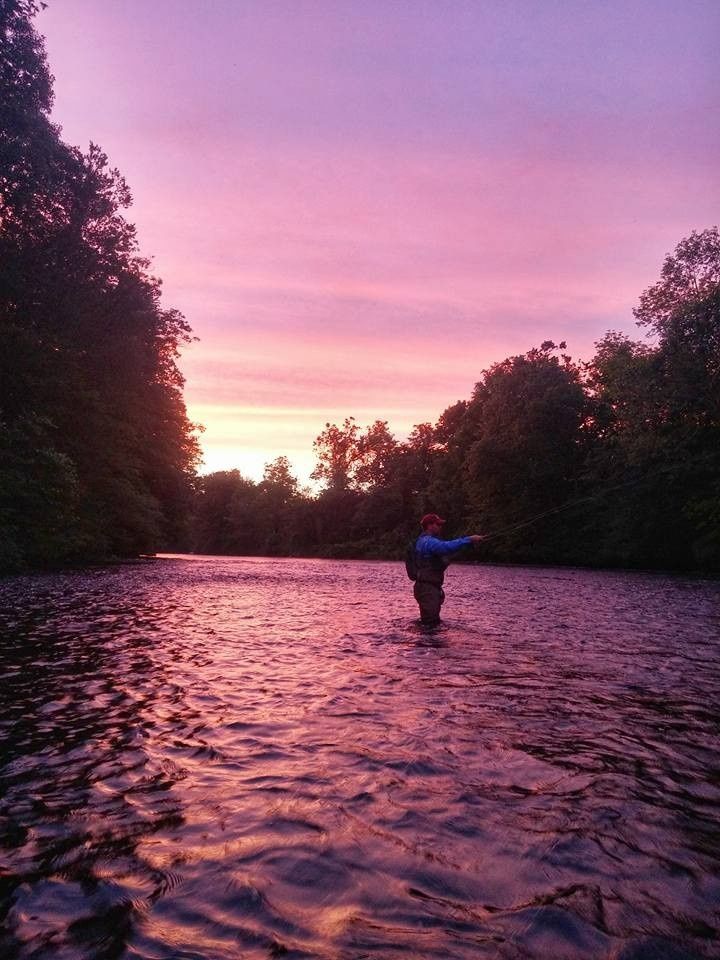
<point x="81" y="791"/>
<point x="221" y="758"/>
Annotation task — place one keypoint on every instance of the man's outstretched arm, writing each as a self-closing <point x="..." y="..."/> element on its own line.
<point x="434" y="546"/>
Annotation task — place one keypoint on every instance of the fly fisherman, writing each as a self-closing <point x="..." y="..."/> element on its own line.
<point x="431" y="556"/>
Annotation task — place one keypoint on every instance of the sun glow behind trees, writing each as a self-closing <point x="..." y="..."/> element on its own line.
<point x="612" y="462"/>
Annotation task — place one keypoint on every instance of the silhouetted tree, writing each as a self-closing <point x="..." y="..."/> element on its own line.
<point x="522" y="440"/>
<point x="376" y="457"/>
<point x="277" y="494"/>
<point x="658" y="418"/>
<point x="337" y="455"/>
<point x="98" y="456"/>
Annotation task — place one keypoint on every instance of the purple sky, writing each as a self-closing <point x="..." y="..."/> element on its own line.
<point x="360" y="206"/>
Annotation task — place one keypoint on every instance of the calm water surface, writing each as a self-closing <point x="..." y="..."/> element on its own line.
<point x="223" y="758"/>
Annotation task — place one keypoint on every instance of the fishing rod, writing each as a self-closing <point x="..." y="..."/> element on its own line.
<point x="569" y="505"/>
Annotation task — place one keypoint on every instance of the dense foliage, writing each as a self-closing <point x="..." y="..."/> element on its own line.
<point x="97" y="457"/>
<point x="614" y="462"/>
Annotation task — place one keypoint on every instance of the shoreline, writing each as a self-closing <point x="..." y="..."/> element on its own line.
<point x="150" y="558"/>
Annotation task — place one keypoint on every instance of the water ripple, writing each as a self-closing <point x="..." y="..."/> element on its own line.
<point x="213" y="758"/>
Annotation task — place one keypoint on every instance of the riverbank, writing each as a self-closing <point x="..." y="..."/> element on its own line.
<point x="344" y="552"/>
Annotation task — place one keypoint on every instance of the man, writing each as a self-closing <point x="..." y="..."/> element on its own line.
<point x="431" y="559"/>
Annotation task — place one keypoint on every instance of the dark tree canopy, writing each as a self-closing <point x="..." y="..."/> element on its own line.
<point x="97" y="454"/>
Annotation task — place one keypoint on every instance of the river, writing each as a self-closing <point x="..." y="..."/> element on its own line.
<point x="215" y="758"/>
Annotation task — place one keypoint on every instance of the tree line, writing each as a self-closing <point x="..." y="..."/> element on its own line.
<point x="611" y="462"/>
<point x="97" y="457"/>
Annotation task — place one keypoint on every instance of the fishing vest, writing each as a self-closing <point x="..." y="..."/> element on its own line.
<point x="429" y="569"/>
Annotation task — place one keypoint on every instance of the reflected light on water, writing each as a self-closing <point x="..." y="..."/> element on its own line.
<point x="223" y="757"/>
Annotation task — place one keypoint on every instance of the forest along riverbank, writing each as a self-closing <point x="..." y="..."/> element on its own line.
<point x="210" y="754"/>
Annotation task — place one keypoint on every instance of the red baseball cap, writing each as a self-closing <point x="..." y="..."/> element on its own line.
<point x="430" y="518"/>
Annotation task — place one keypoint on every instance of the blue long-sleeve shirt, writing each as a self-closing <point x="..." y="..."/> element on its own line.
<point x="428" y="546"/>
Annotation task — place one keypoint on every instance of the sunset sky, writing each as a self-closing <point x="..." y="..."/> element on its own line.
<point x="360" y="205"/>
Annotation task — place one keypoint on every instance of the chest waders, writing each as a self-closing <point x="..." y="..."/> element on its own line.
<point x="428" y="587"/>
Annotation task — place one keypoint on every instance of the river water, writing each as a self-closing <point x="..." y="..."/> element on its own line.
<point x="228" y="757"/>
